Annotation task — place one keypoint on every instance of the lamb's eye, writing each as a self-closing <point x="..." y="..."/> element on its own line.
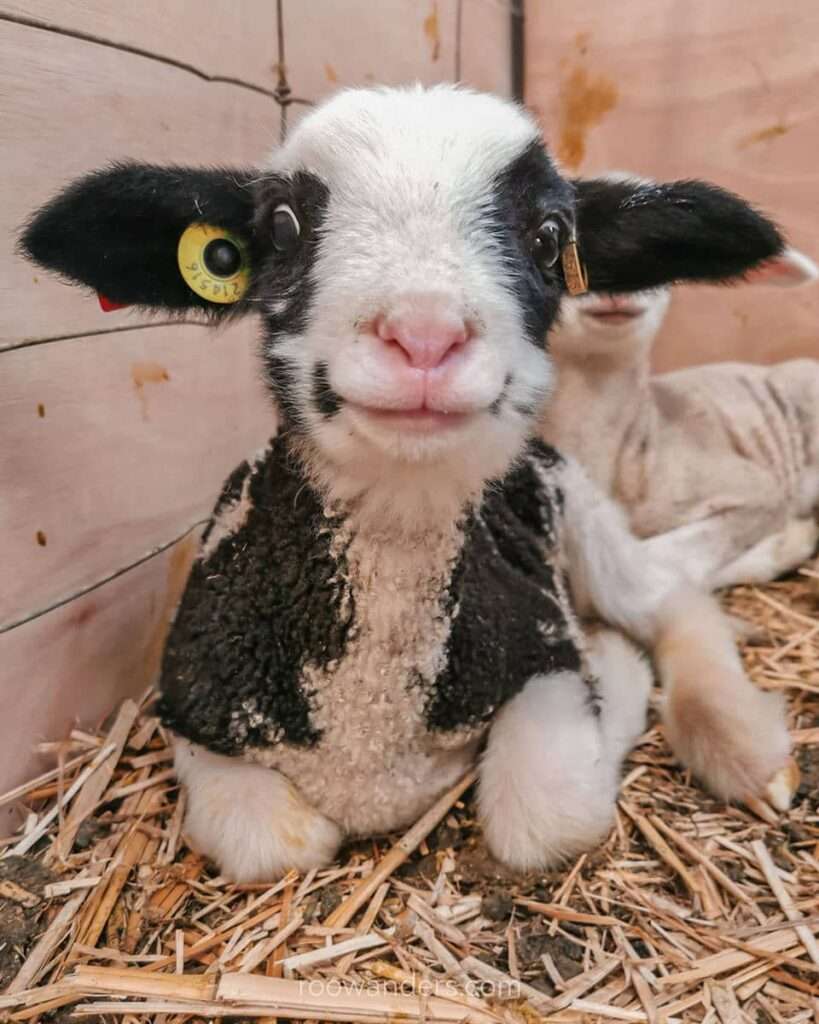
<point x="286" y="229"/>
<point x="546" y="244"/>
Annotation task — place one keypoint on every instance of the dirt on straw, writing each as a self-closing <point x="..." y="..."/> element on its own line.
<point x="690" y="911"/>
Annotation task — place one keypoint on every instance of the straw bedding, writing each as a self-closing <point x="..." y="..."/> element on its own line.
<point x="691" y="911"/>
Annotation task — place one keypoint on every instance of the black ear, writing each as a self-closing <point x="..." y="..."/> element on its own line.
<point x="117" y="230"/>
<point x="634" y="234"/>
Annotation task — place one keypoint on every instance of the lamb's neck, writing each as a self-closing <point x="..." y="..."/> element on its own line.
<point x="598" y="403"/>
<point x="402" y="505"/>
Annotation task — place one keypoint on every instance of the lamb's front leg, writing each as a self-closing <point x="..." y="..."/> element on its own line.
<point x="551" y="770"/>
<point x="732" y="735"/>
<point x="249" y="819"/>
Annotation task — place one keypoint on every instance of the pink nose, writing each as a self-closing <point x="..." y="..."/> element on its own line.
<point x="427" y="340"/>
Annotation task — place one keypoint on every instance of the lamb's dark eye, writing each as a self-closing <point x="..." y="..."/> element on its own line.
<point x="286" y="229"/>
<point x="546" y="244"/>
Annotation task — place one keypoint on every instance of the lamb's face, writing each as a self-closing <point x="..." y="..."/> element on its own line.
<point x="413" y="275"/>
<point x="614" y="326"/>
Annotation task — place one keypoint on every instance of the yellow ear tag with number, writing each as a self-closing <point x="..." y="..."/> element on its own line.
<point x="214" y="263"/>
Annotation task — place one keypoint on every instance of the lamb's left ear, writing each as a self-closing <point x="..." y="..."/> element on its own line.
<point x="118" y="231"/>
<point x="791" y="269"/>
<point x="635" y="234"/>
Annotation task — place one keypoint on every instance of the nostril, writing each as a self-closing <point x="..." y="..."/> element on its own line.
<point x="425" y="341"/>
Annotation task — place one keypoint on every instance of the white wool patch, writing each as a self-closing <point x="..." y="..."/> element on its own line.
<point x="370" y="706"/>
<point x="252" y="821"/>
<point x="550" y="773"/>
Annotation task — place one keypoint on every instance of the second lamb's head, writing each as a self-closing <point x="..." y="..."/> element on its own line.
<point x="405" y="250"/>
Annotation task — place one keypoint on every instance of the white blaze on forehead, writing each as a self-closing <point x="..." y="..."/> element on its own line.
<point x="444" y="135"/>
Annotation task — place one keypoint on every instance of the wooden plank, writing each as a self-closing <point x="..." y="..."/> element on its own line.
<point x="221" y="38"/>
<point x="486" y="45"/>
<point x="114" y="444"/>
<point x="79" y="661"/>
<point x="329" y="45"/>
<point x="70" y="106"/>
<point x="671" y="91"/>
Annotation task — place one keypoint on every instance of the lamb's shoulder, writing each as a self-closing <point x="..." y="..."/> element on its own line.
<point x="264" y="596"/>
<point x="512" y="617"/>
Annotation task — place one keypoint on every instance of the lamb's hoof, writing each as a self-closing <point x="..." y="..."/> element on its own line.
<point x="733" y="737"/>
<point x="781" y="789"/>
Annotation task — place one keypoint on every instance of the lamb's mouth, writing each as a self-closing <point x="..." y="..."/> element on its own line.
<point x="418" y="420"/>
<point x="620" y="315"/>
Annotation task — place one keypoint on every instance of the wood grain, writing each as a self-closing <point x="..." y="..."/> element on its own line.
<point x="70" y="106"/>
<point x="112" y="445"/>
<point x="700" y="89"/>
<point x="329" y="45"/>
<point x="78" y="662"/>
<point x="218" y="38"/>
<point x="486" y="45"/>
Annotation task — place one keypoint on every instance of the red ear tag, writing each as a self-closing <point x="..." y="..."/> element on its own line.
<point x="107" y="306"/>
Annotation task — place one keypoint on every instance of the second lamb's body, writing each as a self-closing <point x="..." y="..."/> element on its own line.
<point x="770" y="424"/>
<point x="717" y="464"/>
<point x="385" y="659"/>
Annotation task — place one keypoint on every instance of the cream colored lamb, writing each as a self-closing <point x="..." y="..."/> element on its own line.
<point x="719" y="464"/>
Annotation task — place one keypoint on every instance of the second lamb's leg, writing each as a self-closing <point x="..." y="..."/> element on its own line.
<point x="550" y="773"/>
<point x="249" y="819"/>
<point x="732" y="735"/>
<point x="775" y="555"/>
<point x="710" y="551"/>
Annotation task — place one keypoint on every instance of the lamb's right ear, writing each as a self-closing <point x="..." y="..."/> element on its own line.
<point x="791" y="269"/>
<point x="118" y="231"/>
<point x="636" y="234"/>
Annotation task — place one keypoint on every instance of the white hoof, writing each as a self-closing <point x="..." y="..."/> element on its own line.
<point x="781" y="789"/>
<point x="249" y="819"/>
<point x="733" y="737"/>
<point x="547" y="789"/>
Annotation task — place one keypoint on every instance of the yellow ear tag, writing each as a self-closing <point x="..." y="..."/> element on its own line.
<point x="214" y="263"/>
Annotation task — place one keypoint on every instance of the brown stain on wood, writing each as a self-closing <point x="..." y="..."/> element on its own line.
<point x="773" y="131"/>
<point x="179" y="566"/>
<point x="41" y="538"/>
<point x="83" y="615"/>
<point x="585" y="99"/>
<point x="147" y="373"/>
<point x="330" y="73"/>
<point x="432" y="30"/>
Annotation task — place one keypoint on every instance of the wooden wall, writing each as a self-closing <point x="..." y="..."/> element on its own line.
<point x="117" y="430"/>
<point x="682" y="88"/>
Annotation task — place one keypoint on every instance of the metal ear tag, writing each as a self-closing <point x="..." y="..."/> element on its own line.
<point x="574" y="273"/>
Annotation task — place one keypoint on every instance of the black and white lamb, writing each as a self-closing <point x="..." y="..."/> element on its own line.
<point x="383" y="594"/>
